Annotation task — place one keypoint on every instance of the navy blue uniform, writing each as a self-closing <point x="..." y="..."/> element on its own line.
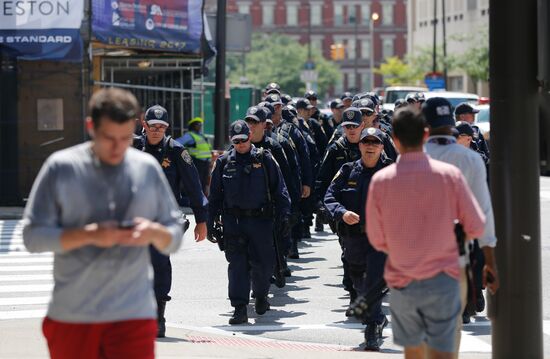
<point x="318" y="134"/>
<point x="179" y="169"/>
<point x="292" y="132"/>
<point x="327" y="122"/>
<point x="238" y="192"/>
<point x="348" y="192"/>
<point x="479" y="145"/>
<point x="389" y="147"/>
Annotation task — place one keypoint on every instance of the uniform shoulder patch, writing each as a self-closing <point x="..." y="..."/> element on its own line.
<point x="186" y="157"/>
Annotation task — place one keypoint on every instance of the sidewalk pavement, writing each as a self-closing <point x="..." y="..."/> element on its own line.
<point x="17" y="212"/>
<point x="22" y="338"/>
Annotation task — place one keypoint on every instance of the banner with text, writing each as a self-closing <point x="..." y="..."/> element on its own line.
<point x="41" y="29"/>
<point x="165" y="25"/>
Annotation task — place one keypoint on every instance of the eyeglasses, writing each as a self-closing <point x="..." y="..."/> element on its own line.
<point x="238" y="141"/>
<point x="157" y="129"/>
<point x="350" y="127"/>
<point x="371" y="142"/>
<point x="367" y="112"/>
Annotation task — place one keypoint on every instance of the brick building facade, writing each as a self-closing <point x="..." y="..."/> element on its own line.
<point x="332" y="22"/>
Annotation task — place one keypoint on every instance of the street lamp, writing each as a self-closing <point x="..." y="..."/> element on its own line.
<point x="374" y="17"/>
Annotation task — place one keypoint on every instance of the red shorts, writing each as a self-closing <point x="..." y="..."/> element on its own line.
<point x="125" y="339"/>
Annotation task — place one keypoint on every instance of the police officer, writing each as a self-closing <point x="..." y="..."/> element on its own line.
<point x="347" y="99"/>
<point x="178" y="167"/>
<point x="199" y="149"/>
<point x="344" y="150"/>
<point x="248" y="191"/>
<point x="337" y="109"/>
<point x="466" y="113"/>
<point x="272" y="88"/>
<point x="312" y="97"/>
<point x="345" y="200"/>
<point x="372" y="119"/>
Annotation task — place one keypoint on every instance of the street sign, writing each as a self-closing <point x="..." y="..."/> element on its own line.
<point x="309" y="65"/>
<point x="309" y="76"/>
<point x="434" y="81"/>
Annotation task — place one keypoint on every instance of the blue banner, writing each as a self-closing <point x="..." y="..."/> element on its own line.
<point x="41" y="29"/>
<point x="51" y="44"/>
<point x="165" y="25"/>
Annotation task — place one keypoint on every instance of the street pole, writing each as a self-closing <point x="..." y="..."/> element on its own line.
<point x="371" y="60"/>
<point x="434" y="50"/>
<point x="444" y="24"/>
<point x="220" y="123"/>
<point x="516" y="309"/>
<point x="308" y="83"/>
<point x="356" y="30"/>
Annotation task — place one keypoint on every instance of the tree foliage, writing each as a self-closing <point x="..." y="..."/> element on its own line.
<point x="279" y="58"/>
<point x="475" y="60"/>
<point x="397" y="72"/>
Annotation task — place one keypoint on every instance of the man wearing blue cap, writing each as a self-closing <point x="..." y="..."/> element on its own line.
<point x="248" y="193"/>
<point x="179" y="169"/>
<point x="465" y="112"/>
<point x="345" y="201"/>
<point x="442" y="146"/>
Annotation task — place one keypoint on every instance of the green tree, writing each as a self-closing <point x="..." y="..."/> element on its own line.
<point x="397" y="72"/>
<point x="421" y="61"/>
<point x="279" y="58"/>
<point x="475" y="60"/>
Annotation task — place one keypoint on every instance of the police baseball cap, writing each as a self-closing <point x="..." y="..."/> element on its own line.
<point x="365" y="104"/>
<point x="303" y="103"/>
<point x="239" y="130"/>
<point x="289" y="113"/>
<point x="372" y="132"/>
<point x="346" y="96"/>
<point x="311" y="95"/>
<point x="399" y="103"/>
<point x="336" y="103"/>
<point x="268" y="114"/>
<point x="438" y="113"/>
<point x="286" y="99"/>
<point x="464" y="128"/>
<point x="464" y="108"/>
<point x="274" y="99"/>
<point x="273" y="87"/>
<point x="352" y="116"/>
<point x="156" y="115"/>
<point x="255" y="113"/>
<point x="267" y="105"/>
<point x="411" y="97"/>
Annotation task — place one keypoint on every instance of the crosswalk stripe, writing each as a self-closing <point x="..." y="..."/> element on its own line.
<point x="26" y="268"/>
<point x="23" y="314"/>
<point x="4" y="260"/>
<point x="26" y="288"/>
<point x="24" y="277"/>
<point x="24" y="300"/>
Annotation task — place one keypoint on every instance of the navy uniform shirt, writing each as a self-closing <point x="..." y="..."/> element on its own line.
<point x="279" y="155"/>
<point x="179" y="169"/>
<point x="238" y="181"/>
<point x="479" y="144"/>
<point x="348" y="190"/>
<point x="292" y="132"/>
<point x="338" y="153"/>
<point x="319" y="135"/>
<point x="327" y="122"/>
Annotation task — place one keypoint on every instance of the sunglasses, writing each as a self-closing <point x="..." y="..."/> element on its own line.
<point x="157" y="128"/>
<point x="238" y="141"/>
<point x="350" y="127"/>
<point x="367" y="112"/>
<point x="371" y="142"/>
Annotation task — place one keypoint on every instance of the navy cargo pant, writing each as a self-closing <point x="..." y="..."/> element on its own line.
<point x="162" y="269"/>
<point x="251" y="255"/>
<point x="365" y="268"/>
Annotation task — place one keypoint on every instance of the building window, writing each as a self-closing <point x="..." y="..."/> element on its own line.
<point x="484" y="4"/>
<point x="350" y="47"/>
<point x="292" y="14"/>
<point x="472" y="4"/>
<point x="365" y="81"/>
<point x="456" y="83"/>
<point x="267" y="14"/>
<point x="244" y="8"/>
<point x="387" y="48"/>
<point x="422" y="10"/>
<point x="317" y="43"/>
<point x="352" y="84"/>
<point x="458" y="6"/>
<point x="365" y="14"/>
<point x="338" y="14"/>
<point x="315" y="14"/>
<point x="365" y="49"/>
<point x="387" y="13"/>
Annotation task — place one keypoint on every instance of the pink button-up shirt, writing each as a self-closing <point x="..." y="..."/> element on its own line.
<point x="411" y="209"/>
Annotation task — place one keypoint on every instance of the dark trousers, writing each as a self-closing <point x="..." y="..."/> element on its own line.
<point x="250" y="252"/>
<point x="366" y="269"/>
<point x="162" y="269"/>
<point x="203" y="168"/>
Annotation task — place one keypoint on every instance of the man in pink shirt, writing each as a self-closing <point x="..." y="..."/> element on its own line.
<point x="411" y="208"/>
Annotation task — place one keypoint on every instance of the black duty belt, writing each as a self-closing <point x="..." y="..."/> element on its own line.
<point x="257" y="212"/>
<point x="354" y="230"/>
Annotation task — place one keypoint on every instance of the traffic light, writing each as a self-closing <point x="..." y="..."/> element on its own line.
<point x="337" y="52"/>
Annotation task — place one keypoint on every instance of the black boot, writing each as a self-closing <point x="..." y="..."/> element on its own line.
<point x="161" y="321"/>
<point x="239" y="316"/>
<point x="261" y="305"/>
<point x="293" y="252"/>
<point x="373" y="335"/>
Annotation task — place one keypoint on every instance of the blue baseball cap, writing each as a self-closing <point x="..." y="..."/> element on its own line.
<point x="256" y="113"/>
<point x="438" y="112"/>
<point x="239" y="130"/>
<point x="303" y="103"/>
<point x="156" y="115"/>
<point x="273" y="87"/>
<point x="289" y="113"/>
<point x="464" y="128"/>
<point x="336" y="103"/>
<point x="274" y="99"/>
<point x="372" y="132"/>
<point x="346" y="96"/>
<point x="352" y="116"/>
<point x="463" y="108"/>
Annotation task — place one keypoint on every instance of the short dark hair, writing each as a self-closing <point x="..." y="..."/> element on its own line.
<point x="408" y="126"/>
<point x="115" y="104"/>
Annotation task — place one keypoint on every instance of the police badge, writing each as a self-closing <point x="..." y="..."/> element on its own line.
<point x="158" y="113"/>
<point x="186" y="157"/>
<point x="350" y="115"/>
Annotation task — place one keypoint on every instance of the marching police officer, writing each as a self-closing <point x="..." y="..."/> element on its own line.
<point x="248" y="191"/>
<point x="178" y="167"/>
<point x="466" y="113"/>
<point x="345" y="201"/>
<point x="337" y="109"/>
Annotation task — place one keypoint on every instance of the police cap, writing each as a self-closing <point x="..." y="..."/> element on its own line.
<point x="437" y="111"/>
<point x="239" y="130"/>
<point x="372" y="132"/>
<point x="303" y="104"/>
<point x="351" y="116"/>
<point x="464" y="128"/>
<point x="255" y="113"/>
<point x="311" y="95"/>
<point x="464" y="108"/>
<point x="336" y="103"/>
<point x="274" y="99"/>
<point x="156" y="115"/>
